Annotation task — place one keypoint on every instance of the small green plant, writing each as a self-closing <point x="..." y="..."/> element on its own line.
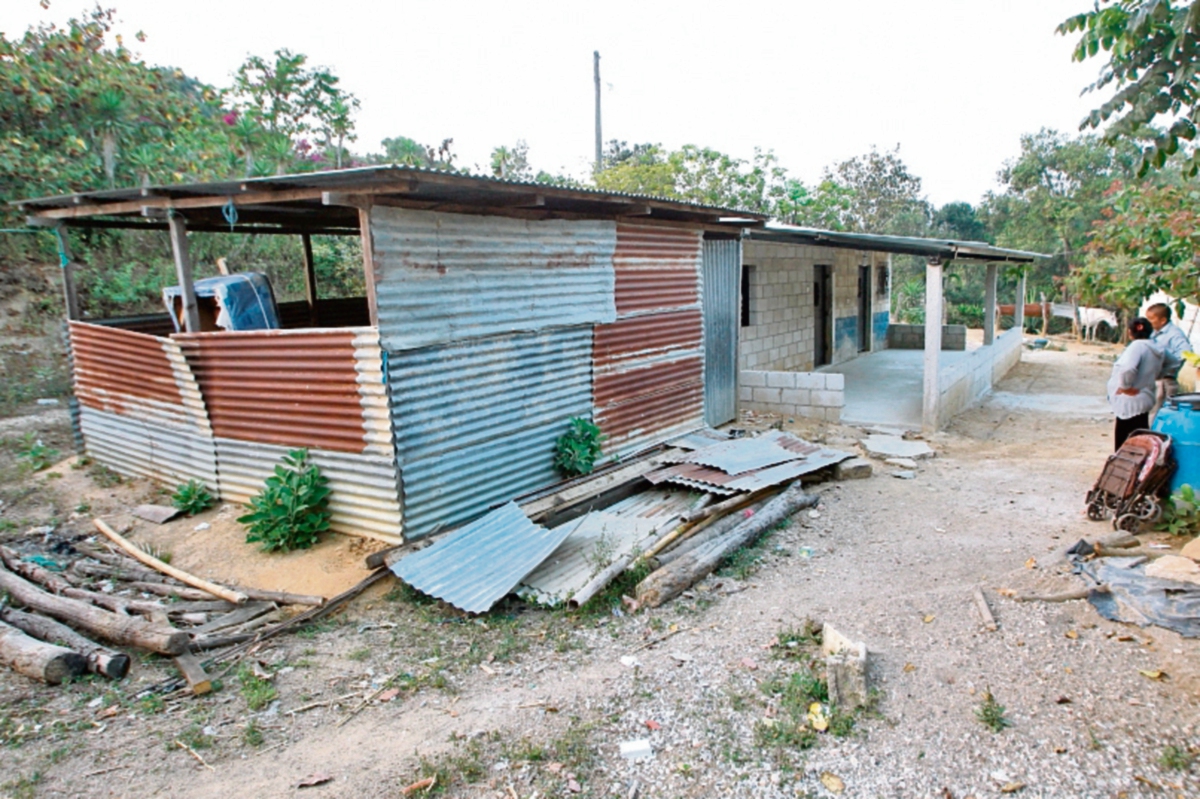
<point x="103" y="476"/>
<point x="1181" y="514"/>
<point x="576" y="451"/>
<point x="1176" y="758"/>
<point x="257" y="691"/>
<point x="192" y="497"/>
<point x="292" y="510"/>
<point x="152" y="704"/>
<point x="252" y="735"/>
<point x="991" y="713"/>
<point x="195" y="737"/>
<point x="360" y="654"/>
<point x="35" y="455"/>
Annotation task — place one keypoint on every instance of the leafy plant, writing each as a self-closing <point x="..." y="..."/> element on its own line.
<point x="1181" y="515"/>
<point x="292" y="510"/>
<point x="192" y="497"/>
<point x="1176" y="758"/>
<point x="257" y="691"/>
<point x="36" y="455"/>
<point x="576" y="451"/>
<point x="991" y="713"/>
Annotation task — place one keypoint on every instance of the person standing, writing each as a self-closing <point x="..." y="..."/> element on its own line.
<point x="1131" y="386"/>
<point x="1174" y="343"/>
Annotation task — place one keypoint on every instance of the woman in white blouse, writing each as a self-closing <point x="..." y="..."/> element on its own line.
<point x="1132" y="385"/>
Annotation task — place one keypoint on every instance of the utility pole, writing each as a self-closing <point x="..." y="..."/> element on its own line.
<point x="599" y="138"/>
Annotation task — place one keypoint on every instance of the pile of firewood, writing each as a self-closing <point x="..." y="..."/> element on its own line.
<point x="53" y="621"/>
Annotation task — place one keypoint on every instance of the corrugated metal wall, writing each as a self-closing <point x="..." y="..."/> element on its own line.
<point x="649" y="366"/>
<point x="449" y="277"/>
<point x="476" y="421"/>
<point x="722" y="283"/>
<point x="140" y="410"/>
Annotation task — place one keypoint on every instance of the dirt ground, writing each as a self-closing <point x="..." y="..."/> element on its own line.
<point x="526" y="702"/>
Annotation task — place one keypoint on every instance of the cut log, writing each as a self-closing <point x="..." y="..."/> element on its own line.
<point x="38" y="659"/>
<point x="618" y="566"/>
<point x="124" y="630"/>
<point x="219" y="591"/>
<point x="57" y="584"/>
<point x="240" y="616"/>
<point x="127" y="573"/>
<point x="192" y="671"/>
<point x="717" y="529"/>
<point x="100" y="660"/>
<point x="673" y="579"/>
<point x="179" y="592"/>
<point x="282" y="597"/>
<point x="210" y="606"/>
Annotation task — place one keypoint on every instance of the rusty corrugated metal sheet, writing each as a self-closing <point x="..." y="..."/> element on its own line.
<point x="648" y="379"/>
<point x="113" y="364"/>
<point x="475" y="421"/>
<point x="450" y="277"/>
<point x="364" y="495"/>
<point x="705" y="478"/>
<point x="292" y="388"/>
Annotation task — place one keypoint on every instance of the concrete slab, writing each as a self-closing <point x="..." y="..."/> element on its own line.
<point x="895" y="447"/>
<point x="885" y="387"/>
<point x="901" y="463"/>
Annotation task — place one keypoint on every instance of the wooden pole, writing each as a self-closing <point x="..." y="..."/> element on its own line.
<point x="100" y="660"/>
<point x="220" y="591"/>
<point x="70" y="294"/>
<point x="368" y="254"/>
<point x="37" y="659"/>
<point x="933" y="344"/>
<point x="599" y="137"/>
<point x="310" y="279"/>
<point x="183" y="271"/>
<point x="989" y="304"/>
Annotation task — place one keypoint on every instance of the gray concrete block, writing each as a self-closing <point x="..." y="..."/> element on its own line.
<point x="780" y="380"/>
<point x="767" y="396"/>
<point x="835" y="382"/>
<point x="853" y="469"/>
<point x="753" y="379"/>
<point x="829" y="399"/>
<point x="796" y="396"/>
<point x="846" y="669"/>
<point x="810" y="380"/>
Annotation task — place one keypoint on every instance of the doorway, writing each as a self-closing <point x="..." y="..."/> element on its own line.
<point x="864" y="309"/>
<point x="822" y="315"/>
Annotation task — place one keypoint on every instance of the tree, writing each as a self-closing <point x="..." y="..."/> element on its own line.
<point x="642" y="169"/>
<point x="512" y="163"/>
<point x="959" y="221"/>
<point x="884" y="197"/>
<point x="1153" y="51"/>
<point x="825" y="205"/>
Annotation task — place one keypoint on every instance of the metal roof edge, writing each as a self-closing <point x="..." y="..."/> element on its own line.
<point x="950" y="249"/>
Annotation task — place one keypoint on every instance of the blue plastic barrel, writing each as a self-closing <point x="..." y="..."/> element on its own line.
<point x="1180" y="419"/>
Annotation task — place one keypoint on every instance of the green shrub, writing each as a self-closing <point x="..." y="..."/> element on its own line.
<point x="576" y="451"/>
<point x="1181" y="513"/>
<point x="35" y="455"/>
<point x="192" y="497"/>
<point x="292" y="510"/>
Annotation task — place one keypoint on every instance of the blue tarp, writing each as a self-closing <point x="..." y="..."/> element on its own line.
<point x="244" y="301"/>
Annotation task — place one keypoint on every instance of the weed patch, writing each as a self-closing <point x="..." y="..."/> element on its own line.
<point x="257" y="692"/>
<point x="991" y="713"/>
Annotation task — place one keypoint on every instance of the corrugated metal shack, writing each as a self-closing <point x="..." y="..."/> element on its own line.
<point x="494" y="312"/>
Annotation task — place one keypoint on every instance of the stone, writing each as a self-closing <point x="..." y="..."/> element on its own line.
<point x="159" y="514"/>
<point x="1174" y="567"/>
<point x="1191" y="549"/>
<point x="636" y="750"/>
<point x="901" y="463"/>
<point x="905" y="475"/>
<point x="845" y="668"/>
<point x="853" y="469"/>
<point x="896" y="447"/>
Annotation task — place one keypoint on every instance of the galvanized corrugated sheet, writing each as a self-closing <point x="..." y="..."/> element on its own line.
<point x="476" y="421"/>
<point x="740" y="455"/>
<point x="364" y="498"/>
<point x="649" y="367"/>
<point x="133" y="446"/>
<point x="722" y="308"/>
<point x="292" y="388"/>
<point x="705" y="478"/>
<point x="474" y="567"/>
<point x="449" y="277"/>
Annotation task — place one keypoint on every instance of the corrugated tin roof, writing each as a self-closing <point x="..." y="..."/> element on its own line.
<point x="476" y="566"/>
<point x="699" y="439"/>
<point x="946" y="249"/>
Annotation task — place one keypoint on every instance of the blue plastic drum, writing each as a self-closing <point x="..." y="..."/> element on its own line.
<point x="1180" y="419"/>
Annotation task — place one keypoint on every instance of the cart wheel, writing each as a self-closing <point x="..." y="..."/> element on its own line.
<point x="1096" y="510"/>
<point x="1112" y="502"/>
<point x="1147" y="509"/>
<point x="1128" y="522"/>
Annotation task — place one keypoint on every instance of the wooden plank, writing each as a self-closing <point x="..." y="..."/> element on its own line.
<point x="368" y="253"/>
<point x="218" y="591"/>
<point x="184" y="203"/>
<point x="310" y="278"/>
<point x="247" y="612"/>
<point x="183" y="270"/>
<point x="985" y="613"/>
<point x="193" y="671"/>
<point x="583" y="491"/>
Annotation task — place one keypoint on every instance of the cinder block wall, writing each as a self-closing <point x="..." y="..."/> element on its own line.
<point x="780" y="336"/>
<point x="912" y="337"/>
<point x="811" y="395"/>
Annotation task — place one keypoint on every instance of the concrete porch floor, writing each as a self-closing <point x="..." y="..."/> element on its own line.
<point x="885" y="387"/>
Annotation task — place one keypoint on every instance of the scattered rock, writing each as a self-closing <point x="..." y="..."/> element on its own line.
<point x="1174" y="567"/>
<point x="636" y="750"/>
<point x="1191" y="549"/>
<point x="901" y="463"/>
<point x="896" y="447"/>
<point x="853" y="469"/>
<point x="846" y="668"/>
<point x="159" y="514"/>
<point x="905" y="475"/>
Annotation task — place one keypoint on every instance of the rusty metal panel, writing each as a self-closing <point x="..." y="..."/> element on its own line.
<point x="364" y="495"/>
<point x="448" y="277"/>
<point x="706" y="478"/>
<point x="476" y="566"/>
<point x="648" y="382"/>
<point x="139" y="448"/>
<point x="112" y="364"/>
<point x="475" y="421"/>
<point x="291" y="388"/>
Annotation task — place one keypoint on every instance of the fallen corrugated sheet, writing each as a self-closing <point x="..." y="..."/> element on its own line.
<point x="476" y="566"/>
<point x="699" y="439"/>
<point x="593" y="542"/>
<point x="705" y="478"/>
<point x="139" y="448"/>
<point x="447" y="277"/>
<point x="364" y="498"/>
<point x="649" y="365"/>
<point x="476" y="421"/>
<point x="740" y="455"/>
<point x="295" y="389"/>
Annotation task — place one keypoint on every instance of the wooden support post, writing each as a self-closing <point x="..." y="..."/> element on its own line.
<point x="933" y="344"/>
<point x="368" y="253"/>
<point x="183" y="270"/>
<point x="70" y="295"/>
<point x="989" y="304"/>
<point x="310" y="279"/>
<point x="1019" y="311"/>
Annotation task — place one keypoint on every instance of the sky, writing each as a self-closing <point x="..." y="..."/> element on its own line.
<point x="954" y="83"/>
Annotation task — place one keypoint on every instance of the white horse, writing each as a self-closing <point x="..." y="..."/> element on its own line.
<point x="1090" y="319"/>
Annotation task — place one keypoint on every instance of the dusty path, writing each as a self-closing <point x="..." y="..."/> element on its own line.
<point x="893" y="563"/>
